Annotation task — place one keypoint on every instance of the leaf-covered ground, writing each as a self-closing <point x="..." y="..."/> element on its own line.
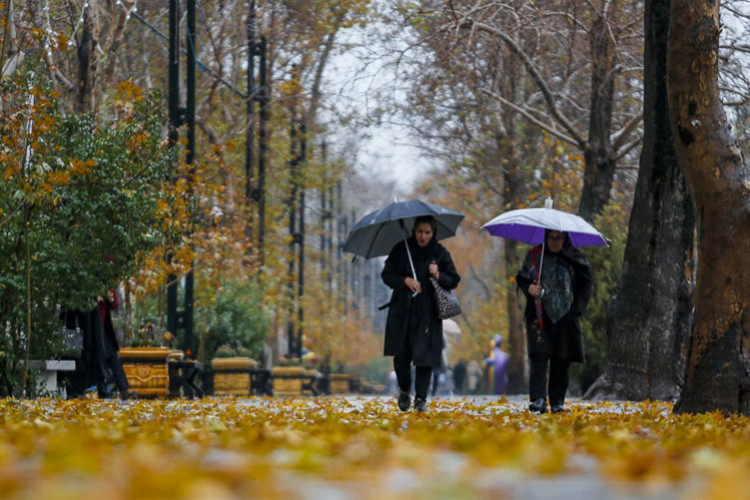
<point x="329" y="447"/>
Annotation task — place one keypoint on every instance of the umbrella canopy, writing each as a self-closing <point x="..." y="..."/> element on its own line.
<point x="378" y="232"/>
<point x="450" y="327"/>
<point x="527" y="225"/>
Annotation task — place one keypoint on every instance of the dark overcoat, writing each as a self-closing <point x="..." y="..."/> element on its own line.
<point x="563" y="339"/>
<point x="412" y="320"/>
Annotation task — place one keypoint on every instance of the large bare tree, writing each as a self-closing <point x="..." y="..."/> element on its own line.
<point x="594" y="39"/>
<point x="718" y="368"/>
<point x="648" y="316"/>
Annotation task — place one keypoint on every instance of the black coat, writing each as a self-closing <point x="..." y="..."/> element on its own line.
<point x="563" y="339"/>
<point x="414" y="320"/>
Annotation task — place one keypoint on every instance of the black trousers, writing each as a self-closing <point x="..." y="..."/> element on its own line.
<point x="112" y="360"/>
<point x="402" y="367"/>
<point x="558" y="378"/>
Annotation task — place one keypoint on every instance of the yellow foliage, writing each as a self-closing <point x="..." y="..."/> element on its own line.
<point x="243" y="448"/>
<point x="58" y="178"/>
<point x="80" y="167"/>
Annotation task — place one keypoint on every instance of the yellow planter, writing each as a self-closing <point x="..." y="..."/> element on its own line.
<point x="340" y="383"/>
<point x="232" y="376"/>
<point x="146" y="370"/>
<point x="287" y="380"/>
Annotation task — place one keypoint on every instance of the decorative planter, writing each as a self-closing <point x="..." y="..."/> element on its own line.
<point x="287" y="380"/>
<point x="232" y="376"/>
<point x="340" y="383"/>
<point x="146" y="370"/>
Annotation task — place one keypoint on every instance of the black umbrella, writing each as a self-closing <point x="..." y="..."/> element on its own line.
<point x="378" y="232"/>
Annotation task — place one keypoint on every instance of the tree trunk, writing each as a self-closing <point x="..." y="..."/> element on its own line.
<point x="85" y="72"/>
<point x="517" y="380"/>
<point x="718" y="368"/>
<point x="514" y="184"/>
<point x="598" y="154"/>
<point x="647" y="318"/>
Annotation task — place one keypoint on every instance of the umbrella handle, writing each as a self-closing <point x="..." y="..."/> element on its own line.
<point x="408" y="252"/>
<point x="538" y="300"/>
<point x="541" y="263"/>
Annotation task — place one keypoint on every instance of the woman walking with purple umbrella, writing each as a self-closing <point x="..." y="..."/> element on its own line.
<point x="556" y="279"/>
<point x="562" y="286"/>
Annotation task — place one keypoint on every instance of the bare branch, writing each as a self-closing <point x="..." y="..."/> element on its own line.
<point x="628" y="147"/>
<point x="619" y="137"/>
<point x="578" y="139"/>
<point x="560" y="135"/>
<point x="474" y="274"/>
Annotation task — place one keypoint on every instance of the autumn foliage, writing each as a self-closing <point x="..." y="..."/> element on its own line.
<point x="363" y="448"/>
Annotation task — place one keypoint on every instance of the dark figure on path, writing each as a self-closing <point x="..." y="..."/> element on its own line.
<point x="413" y="332"/>
<point x="110" y="347"/>
<point x="437" y="373"/>
<point x="99" y="350"/>
<point x="459" y="377"/>
<point x="473" y="377"/>
<point x="499" y="363"/>
<point x="553" y="313"/>
<point x="89" y="369"/>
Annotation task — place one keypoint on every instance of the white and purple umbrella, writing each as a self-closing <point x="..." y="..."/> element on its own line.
<point x="528" y="225"/>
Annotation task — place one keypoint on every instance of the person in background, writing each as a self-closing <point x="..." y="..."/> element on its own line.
<point x="110" y="347"/>
<point x="459" y="377"/>
<point x="499" y="363"/>
<point x="413" y="331"/>
<point x="438" y="376"/>
<point x="473" y="376"/>
<point x="555" y="303"/>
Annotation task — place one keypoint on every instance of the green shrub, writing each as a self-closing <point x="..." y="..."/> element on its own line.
<point x="236" y="316"/>
<point x="77" y="214"/>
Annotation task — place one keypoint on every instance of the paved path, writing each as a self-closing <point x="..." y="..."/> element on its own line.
<point x="586" y="483"/>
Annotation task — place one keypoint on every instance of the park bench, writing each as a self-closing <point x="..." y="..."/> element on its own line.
<point x="49" y="370"/>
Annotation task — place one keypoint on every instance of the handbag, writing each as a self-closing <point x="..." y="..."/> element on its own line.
<point x="446" y="301"/>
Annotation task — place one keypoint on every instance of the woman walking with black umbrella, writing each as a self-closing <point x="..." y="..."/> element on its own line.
<point x="413" y="332"/>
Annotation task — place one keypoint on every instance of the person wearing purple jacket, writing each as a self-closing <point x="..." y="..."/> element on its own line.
<point x="499" y="363"/>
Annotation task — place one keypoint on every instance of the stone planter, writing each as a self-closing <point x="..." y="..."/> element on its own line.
<point x="232" y="376"/>
<point x="146" y="370"/>
<point x="287" y="380"/>
<point x="340" y="383"/>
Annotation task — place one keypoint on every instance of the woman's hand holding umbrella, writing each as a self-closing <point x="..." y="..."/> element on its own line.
<point x="535" y="290"/>
<point x="413" y="285"/>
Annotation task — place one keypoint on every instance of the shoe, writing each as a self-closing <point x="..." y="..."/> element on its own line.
<point x="125" y="395"/>
<point x="557" y="408"/>
<point x="538" y="406"/>
<point x="404" y="401"/>
<point x="420" y="404"/>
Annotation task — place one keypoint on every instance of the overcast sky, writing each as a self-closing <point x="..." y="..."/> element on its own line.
<point x="389" y="152"/>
